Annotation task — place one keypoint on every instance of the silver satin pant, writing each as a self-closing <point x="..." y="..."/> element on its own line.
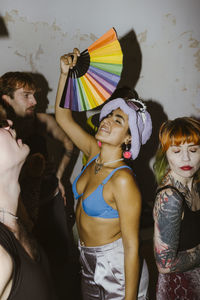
<point x="103" y="276"/>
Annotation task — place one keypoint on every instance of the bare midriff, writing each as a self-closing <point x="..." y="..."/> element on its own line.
<point x="96" y="231"/>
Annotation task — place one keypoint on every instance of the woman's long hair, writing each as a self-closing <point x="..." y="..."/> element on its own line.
<point x="175" y="132"/>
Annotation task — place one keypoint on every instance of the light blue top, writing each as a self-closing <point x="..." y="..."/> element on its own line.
<point x="95" y="205"/>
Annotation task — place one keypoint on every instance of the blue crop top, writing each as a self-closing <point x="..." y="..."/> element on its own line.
<point x="95" y="205"/>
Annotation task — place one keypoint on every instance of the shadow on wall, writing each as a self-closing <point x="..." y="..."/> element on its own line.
<point x="41" y="94"/>
<point x="131" y="71"/>
<point x="132" y="60"/>
<point x="144" y="174"/>
<point x="42" y="104"/>
<point x="3" y="28"/>
<point x="132" y="64"/>
<point x="55" y="148"/>
<point x="42" y="98"/>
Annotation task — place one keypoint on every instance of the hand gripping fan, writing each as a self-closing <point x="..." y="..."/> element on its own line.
<point x="96" y="75"/>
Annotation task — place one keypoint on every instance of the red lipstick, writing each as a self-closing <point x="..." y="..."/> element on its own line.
<point x="186" y="168"/>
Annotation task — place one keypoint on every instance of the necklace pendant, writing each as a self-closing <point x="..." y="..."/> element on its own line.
<point x="97" y="167"/>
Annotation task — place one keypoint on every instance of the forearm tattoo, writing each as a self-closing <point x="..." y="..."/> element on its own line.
<point x="167" y="214"/>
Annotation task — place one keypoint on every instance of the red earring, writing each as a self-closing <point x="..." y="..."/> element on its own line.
<point x="127" y="154"/>
<point x="99" y="144"/>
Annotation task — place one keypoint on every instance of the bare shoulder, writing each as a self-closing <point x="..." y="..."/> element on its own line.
<point x="43" y="117"/>
<point x="6" y="269"/>
<point x="124" y="177"/>
<point x="51" y="126"/>
<point x="168" y="199"/>
<point x="168" y="193"/>
<point x="128" y="200"/>
<point x="124" y="185"/>
<point x="162" y="195"/>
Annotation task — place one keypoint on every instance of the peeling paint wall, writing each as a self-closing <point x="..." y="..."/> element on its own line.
<point x="167" y="31"/>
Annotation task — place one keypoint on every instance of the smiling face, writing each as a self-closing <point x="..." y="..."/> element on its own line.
<point x="113" y="128"/>
<point x="23" y="102"/>
<point x="13" y="151"/>
<point x="184" y="160"/>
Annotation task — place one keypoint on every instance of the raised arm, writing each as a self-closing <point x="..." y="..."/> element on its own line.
<point x="128" y="200"/>
<point x="84" y="141"/>
<point x="167" y="217"/>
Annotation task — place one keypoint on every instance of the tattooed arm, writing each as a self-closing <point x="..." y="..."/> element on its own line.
<point x="167" y="216"/>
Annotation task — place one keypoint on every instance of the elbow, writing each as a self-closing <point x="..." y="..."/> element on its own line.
<point x="163" y="269"/>
<point x="58" y="114"/>
<point x="59" y="117"/>
<point x="164" y="264"/>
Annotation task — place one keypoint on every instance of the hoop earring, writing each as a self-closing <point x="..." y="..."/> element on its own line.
<point x="99" y="144"/>
<point x="127" y="154"/>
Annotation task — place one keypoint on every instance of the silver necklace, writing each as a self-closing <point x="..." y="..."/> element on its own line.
<point x="98" y="166"/>
<point x="4" y="211"/>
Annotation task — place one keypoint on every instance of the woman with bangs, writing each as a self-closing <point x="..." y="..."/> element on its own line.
<point x="177" y="210"/>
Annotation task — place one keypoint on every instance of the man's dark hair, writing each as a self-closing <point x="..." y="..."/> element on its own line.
<point x="11" y="81"/>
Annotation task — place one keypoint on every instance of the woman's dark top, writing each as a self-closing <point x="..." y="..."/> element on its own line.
<point x="190" y="225"/>
<point x="31" y="279"/>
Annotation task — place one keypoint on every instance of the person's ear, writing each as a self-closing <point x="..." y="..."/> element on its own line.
<point x="128" y="140"/>
<point x="6" y="99"/>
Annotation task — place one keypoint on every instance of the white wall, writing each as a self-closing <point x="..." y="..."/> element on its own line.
<point x="167" y="31"/>
<point x="39" y="32"/>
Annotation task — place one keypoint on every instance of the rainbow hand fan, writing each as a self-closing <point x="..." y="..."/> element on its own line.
<point x="95" y="76"/>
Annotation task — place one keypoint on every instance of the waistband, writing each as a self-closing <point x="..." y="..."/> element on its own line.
<point x="102" y="248"/>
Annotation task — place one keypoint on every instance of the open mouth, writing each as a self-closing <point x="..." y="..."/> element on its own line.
<point x="30" y="110"/>
<point x="104" y="128"/>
